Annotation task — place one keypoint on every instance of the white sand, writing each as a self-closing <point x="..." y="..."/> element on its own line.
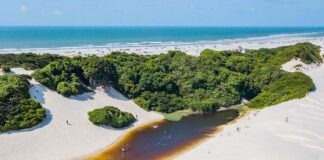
<point x="54" y="139"/>
<point x="265" y="134"/>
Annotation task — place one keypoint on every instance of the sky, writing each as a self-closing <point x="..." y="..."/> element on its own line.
<point x="162" y="13"/>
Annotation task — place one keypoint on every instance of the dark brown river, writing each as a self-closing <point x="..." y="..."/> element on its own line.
<point x="165" y="139"/>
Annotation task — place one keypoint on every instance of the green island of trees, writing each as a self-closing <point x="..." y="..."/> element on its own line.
<point x="176" y="81"/>
<point x="17" y="109"/>
<point x="111" y="116"/>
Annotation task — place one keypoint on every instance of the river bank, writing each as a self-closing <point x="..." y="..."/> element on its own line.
<point x="164" y="139"/>
<point x="290" y="130"/>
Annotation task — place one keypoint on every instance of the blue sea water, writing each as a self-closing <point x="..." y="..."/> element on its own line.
<point x="56" y="37"/>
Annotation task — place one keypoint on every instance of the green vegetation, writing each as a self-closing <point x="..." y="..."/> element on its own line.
<point x="177" y="115"/>
<point x="174" y="83"/>
<point x="177" y="81"/>
<point x="98" y="71"/>
<point x="111" y="116"/>
<point x="288" y="87"/>
<point x="306" y="52"/>
<point x="63" y="76"/>
<point x="5" y="69"/>
<point x="17" y="109"/>
<point x="27" y="60"/>
<point x="72" y="76"/>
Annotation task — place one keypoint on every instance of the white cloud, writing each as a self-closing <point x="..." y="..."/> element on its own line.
<point x="24" y="8"/>
<point x="57" y="12"/>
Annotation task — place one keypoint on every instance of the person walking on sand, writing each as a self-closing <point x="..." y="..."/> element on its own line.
<point x="286" y="119"/>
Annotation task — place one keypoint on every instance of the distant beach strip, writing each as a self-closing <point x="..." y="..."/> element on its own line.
<point x="146" y="40"/>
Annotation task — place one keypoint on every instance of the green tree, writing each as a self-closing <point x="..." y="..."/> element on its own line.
<point x="111" y="116"/>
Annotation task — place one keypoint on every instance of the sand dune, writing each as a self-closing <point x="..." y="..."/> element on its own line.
<point x="53" y="139"/>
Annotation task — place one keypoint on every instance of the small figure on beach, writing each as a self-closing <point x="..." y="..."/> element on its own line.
<point x="67" y="122"/>
<point x="286" y="119"/>
<point x="238" y="129"/>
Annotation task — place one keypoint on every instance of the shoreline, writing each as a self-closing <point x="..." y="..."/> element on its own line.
<point x="191" y="48"/>
<point x="104" y="152"/>
<point x="217" y="130"/>
<point x="97" y="154"/>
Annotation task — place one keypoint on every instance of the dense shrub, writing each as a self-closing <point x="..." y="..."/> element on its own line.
<point x="28" y="60"/>
<point x="288" y="87"/>
<point x="175" y="81"/>
<point x="111" y="116"/>
<point x="17" y="109"/>
<point x="5" y="69"/>
<point x="68" y="89"/>
<point x="63" y="76"/>
<point x="98" y="70"/>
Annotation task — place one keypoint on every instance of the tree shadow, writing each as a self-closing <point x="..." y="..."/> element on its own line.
<point x="44" y="123"/>
<point x="313" y="89"/>
<point x="118" y="129"/>
<point x="37" y="92"/>
<point x="112" y="92"/>
<point x="83" y="97"/>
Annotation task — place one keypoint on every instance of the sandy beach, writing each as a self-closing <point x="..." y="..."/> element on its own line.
<point x="193" y="48"/>
<point x="291" y="130"/>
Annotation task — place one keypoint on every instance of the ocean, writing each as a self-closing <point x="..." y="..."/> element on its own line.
<point x="61" y="37"/>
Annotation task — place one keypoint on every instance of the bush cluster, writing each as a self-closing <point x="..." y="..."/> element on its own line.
<point x="63" y="76"/>
<point x="17" y="109"/>
<point x="176" y="81"/>
<point x="5" y="69"/>
<point x="27" y="60"/>
<point x="288" y="87"/>
<point x="111" y="116"/>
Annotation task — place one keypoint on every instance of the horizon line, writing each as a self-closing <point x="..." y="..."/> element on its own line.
<point x="156" y="26"/>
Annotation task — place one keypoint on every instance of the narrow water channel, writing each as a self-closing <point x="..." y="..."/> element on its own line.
<point x="162" y="140"/>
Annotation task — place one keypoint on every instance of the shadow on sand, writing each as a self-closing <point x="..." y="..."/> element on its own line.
<point x="118" y="129"/>
<point x="313" y="89"/>
<point x="37" y="92"/>
<point x="83" y="97"/>
<point x="112" y="92"/>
